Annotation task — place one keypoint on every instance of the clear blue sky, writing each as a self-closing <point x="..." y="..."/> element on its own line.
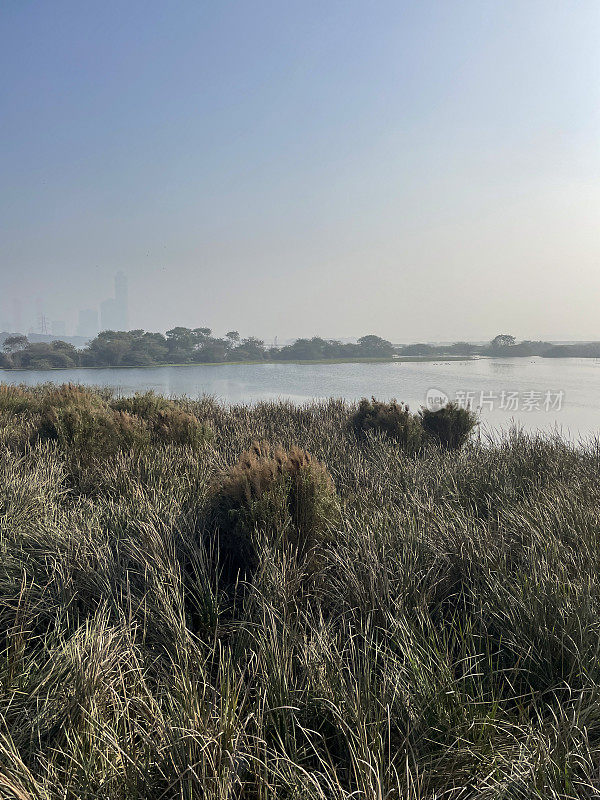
<point x="421" y="170"/>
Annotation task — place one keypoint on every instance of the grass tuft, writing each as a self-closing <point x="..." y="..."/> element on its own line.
<point x="274" y="494"/>
<point x="167" y="421"/>
<point x="449" y="426"/>
<point x="392" y="419"/>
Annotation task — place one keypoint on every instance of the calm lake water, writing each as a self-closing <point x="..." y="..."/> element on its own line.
<point x="535" y="392"/>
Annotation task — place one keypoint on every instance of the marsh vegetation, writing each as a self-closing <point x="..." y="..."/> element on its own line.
<point x="279" y="601"/>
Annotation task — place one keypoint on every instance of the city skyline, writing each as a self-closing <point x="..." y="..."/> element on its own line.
<point x="31" y="316"/>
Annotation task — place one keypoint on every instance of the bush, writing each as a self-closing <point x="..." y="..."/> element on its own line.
<point x="66" y="396"/>
<point x="15" y="400"/>
<point x="146" y="405"/>
<point x="68" y="414"/>
<point x="91" y="431"/>
<point x="80" y="420"/>
<point x="91" y="422"/>
<point x="393" y="419"/>
<point x="283" y="495"/>
<point x="449" y="426"/>
<point x="167" y="421"/>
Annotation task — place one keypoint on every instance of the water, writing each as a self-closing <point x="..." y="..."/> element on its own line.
<point x="538" y="393"/>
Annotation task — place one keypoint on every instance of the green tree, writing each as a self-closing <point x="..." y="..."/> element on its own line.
<point x="212" y="351"/>
<point x="108" y="349"/>
<point x="181" y="343"/>
<point x="375" y="347"/>
<point x="13" y="344"/>
<point x="419" y="349"/>
<point x="463" y="348"/>
<point x="502" y="340"/>
<point x="202" y="333"/>
<point x="251" y="349"/>
<point x="147" y="349"/>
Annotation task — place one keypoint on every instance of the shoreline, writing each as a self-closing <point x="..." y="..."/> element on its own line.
<point x="307" y="362"/>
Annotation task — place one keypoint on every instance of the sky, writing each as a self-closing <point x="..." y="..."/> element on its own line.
<point x="420" y="170"/>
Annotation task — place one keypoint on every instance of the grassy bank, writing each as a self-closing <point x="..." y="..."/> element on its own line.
<point x="438" y="640"/>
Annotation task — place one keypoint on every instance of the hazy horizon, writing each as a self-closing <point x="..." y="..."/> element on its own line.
<point x="423" y="171"/>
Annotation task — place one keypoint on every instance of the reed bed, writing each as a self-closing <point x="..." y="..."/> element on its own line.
<point x="443" y="645"/>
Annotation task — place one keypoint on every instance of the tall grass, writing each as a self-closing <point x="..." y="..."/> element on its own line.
<point x="446" y="648"/>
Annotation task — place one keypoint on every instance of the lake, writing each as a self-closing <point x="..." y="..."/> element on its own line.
<point x="535" y="392"/>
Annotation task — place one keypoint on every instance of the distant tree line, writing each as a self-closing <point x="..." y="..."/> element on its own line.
<point x="502" y="345"/>
<point x="139" y="348"/>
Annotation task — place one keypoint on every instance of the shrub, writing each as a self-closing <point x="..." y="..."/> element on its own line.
<point x="449" y="426"/>
<point x="280" y="494"/>
<point x="177" y="426"/>
<point x="167" y="421"/>
<point x="68" y="395"/>
<point x="146" y="405"/>
<point x="70" y="414"/>
<point x="15" y="400"/>
<point x="91" y="430"/>
<point x="393" y="419"/>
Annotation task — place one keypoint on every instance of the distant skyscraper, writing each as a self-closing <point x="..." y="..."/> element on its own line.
<point x="114" y="310"/>
<point x="88" y="323"/>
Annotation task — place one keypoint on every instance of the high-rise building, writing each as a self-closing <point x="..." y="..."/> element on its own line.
<point x="88" y="323"/>
<point x="114" y="310"/>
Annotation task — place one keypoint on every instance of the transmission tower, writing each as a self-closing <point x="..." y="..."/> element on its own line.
<point x="42" y="323"/>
